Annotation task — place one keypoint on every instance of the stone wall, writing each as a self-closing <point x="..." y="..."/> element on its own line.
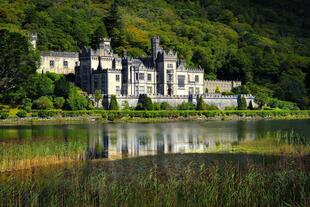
<point x="221" y="101"/>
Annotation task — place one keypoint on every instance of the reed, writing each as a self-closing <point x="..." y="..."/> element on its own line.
<point x="191" y="185"/>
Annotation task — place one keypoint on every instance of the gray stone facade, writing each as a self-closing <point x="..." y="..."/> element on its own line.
<point x="162" y="73"/>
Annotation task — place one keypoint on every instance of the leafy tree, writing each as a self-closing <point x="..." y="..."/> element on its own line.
<point x="113" y="103"/>
<point x="18" y="60"/>
<point x="76" y="100"/>
<point x="99" y="33"/>
<point x="43" y="103"/>
<point x="27" y="105"/>
<point x="59" y="102"/>
<point x="40" y="85"/>
<point x="217" y="89"/>
<point x="98" y="97"/>
<point x="62" y="88"/>
<point x="242" y="105"/>
<point x="21" y="113"/>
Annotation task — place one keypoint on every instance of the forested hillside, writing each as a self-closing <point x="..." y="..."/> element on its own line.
<point x="264" y="43"/>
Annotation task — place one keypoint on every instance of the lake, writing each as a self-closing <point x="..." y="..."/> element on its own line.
<point x="25" y="146"/>
<point x="156" y="164"/>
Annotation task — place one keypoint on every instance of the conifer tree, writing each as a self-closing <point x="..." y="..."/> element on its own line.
<point x="113" y="103"/>
<point x="242" y="105"/>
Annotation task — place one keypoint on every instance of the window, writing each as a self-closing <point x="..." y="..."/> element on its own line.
<point x="149" y="90"/>
<point x="191" y="90"/>
<point x="196" y="78"/>
<point x="141" y="90"/>
<point x="197" y="91"/>
<point x="149" y="77"/>
<point x="65" y="64"/>
<point x="117" y="78"/>
<point x="170" y="77"/>
<point x="118" y="90"/>
<point x="52" y="63"/>
<point x="137" y="76"/>
<point x="170" y="65"/>
<point x="181" y="81"/>
<point x="141" y="76"/>
<point x="189" y="78"/>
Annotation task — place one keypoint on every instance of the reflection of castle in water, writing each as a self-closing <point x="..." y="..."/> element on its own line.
<point x="129" y="140"/>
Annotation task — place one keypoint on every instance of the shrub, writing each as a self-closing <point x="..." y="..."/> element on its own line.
<point x="186" y="106"/>
<point x="165" y="106"/>
<point x="144" y="103"/>
<point x="76" y="100"/>
<point x="4" y="114"/>
<point x="90" y="105"/>
<point x="21" y="113"/>
<point x="242" y="105"/>
<point x="59" y="102"/>
<point x="126" y="106"/>
<point x="156" y="106"/>
<point x="43" y="103"/>
<point x="113" y="103"/>
<point x="27" y="105"/>
<point x="217" y="89"/>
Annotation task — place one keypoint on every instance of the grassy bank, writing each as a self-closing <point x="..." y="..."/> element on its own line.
<point x="177" y="184"/>
<point x="164" y="115"/>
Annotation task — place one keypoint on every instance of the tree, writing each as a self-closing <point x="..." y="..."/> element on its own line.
<point x="18" y="61"/>
<point x="99" y="33"/>
<point x="242" y="105"/>
<point x="62" y="87"/>
<point x="40" y="85"/>
<point x="251" y="107"/>
<point x="43" y="103"/>
<point x="200" y="103"/>
<point x="113" y="103"/>
<point x="144" y="103"/>
<point x="76" y="100"/>
<point x="27" y="105"/>
<point x="59" y="102"/>
<point x="98" y="97"/>
<point x="217" y="89"/>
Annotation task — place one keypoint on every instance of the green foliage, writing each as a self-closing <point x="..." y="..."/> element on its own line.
<point x="165" y="106"/>
<point x="18" y="61"/>
<point x="186" y="106"/>
<point x="144" y="103"/>
<point x="76" y="99"/>
<point x="98" y="97"/>
<point x="217" y="89"/>
<point x="242" y="105"/>
<point x="113" y="103"/>
<point x="265" y="43"/>
<point x="21" y="113"/>
<point x="90" y="104"/>
<point x="41" y="85"/>
<point x="200" y="103"/>
<point x="275" y="103"/>
<point x="59" y="102"/>
<point x="4" y="114"/>
<point x="27" y="105"/>
<point x="43" y="103"/>
<point x="62" y="88"/>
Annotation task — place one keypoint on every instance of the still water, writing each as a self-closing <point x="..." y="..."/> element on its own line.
<point x="115" y="141"/>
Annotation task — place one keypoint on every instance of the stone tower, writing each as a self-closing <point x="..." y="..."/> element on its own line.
<point x="155" y="47"/>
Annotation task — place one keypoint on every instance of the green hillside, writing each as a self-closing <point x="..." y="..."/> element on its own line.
<point x="264" y="43"/>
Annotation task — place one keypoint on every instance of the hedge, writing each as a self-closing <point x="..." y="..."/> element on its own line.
<point x="119" y="114"/>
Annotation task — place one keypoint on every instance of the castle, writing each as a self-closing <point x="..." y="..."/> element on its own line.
<point x="162" y="76"/>
<point x="162" y="73"/>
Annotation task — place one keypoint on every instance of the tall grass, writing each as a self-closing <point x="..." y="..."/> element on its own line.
<point x="213" y="185"/>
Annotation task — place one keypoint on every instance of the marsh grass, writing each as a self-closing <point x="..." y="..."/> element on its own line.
<point x="184" y="185"/>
